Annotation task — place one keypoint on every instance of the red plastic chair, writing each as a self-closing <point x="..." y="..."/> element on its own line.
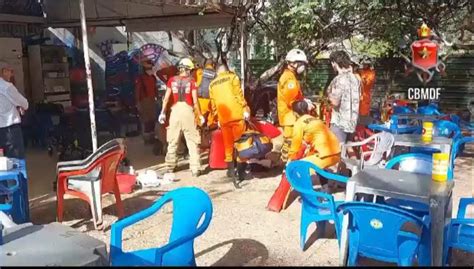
<point x="90" y="179"/>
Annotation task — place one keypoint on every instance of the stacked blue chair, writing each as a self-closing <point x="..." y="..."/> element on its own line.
<point x="403" y="110"/>
<point x="190" y="206"/>
<point x="9" y="185"/>
<point x="316" y="206"/>
<point x="457" y="148"/>
<point x="376" y="232"/>
<point x="460" y="234"/>
<point x="441" y="128"/>
<point x="429" y="110"/>
<point x="447" y="129"/>
<point x="451" y="130"/>
<point x="119" y="82"/>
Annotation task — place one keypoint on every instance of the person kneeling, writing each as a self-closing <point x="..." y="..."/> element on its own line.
<point x="322" y="145"/>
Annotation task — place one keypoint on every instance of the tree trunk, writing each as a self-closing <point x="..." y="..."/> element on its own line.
<point x="265" y="76"/>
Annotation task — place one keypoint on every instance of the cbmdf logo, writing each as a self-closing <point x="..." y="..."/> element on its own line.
<point x="424" y="56"/>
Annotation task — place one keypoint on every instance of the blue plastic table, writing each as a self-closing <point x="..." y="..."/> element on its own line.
<point x="401" y="129"/>
<point x="21" y="208"/>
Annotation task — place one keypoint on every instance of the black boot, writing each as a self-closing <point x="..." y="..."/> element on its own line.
<point x="230" y="170"/>
<point x="241" y="172"/>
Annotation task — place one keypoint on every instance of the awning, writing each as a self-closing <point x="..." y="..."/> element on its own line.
<point x="142" y="15"/>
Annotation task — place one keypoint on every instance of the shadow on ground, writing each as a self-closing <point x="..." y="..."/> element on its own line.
<point x="78" y="211"/>
<point x="242" y="252"/>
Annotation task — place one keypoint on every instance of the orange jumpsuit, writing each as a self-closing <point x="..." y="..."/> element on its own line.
<point x="289" y="91"/>
<point x="197" y="74"/>
<point x="368" y="80"/>
<point x="228" y="104"/>
<point x="322" y="145"/>
<point x="204" y="103"/>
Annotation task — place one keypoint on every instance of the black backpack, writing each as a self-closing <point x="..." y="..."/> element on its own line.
<point x="207" y="76"/>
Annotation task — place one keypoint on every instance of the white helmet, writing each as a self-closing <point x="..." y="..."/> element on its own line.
<point x="186" y="63"/>
<point x="296" y="55"/>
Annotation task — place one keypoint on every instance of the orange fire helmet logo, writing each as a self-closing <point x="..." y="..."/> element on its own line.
<point x="424" y="55"/>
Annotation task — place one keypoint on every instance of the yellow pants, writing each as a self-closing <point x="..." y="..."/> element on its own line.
<point x="231" y="132"/>
<point x="182" y="121"/>
<point x="287" y="134"/>
<point x="323" y="162"/>
<point x="204" y="104"/>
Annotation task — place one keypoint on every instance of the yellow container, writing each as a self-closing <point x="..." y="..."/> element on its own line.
<point x="427" y="135"/>
<point x="440" y="167"/>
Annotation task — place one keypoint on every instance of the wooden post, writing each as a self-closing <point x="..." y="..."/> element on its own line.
<point x="90" y="89"/>
<point x="243" y="53"/>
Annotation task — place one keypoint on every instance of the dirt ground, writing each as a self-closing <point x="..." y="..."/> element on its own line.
<point x="242" y="232"/>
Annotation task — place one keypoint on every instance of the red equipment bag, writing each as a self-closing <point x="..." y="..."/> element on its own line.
<point x="126" y="182"/>
<point x="265" y="128"/>
<point x="217" y="153"/>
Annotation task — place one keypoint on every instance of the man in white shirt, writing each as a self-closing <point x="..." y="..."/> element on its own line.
<point x="344" y="94"/>
<point x="12" y="106"/>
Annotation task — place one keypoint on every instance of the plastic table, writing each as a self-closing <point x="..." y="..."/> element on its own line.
<point x="52" y="244"/>
<point x="21" y="209"/>
<point x="401" y="129"/>
<point x="408" y="186"/>
<point x="414" y="140"/>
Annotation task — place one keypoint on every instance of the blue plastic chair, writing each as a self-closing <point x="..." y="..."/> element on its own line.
<point x="441" y="128"/>
<point x="447" y="129"/>
<point x="429" y="110"/>
<point x="402" y="110"/>
<point x="190" y="205"/>
<point x="375" y="232"/>
<point x="400" y="129"/>
<point x="316" y="206"/>
<point x="460" y="234"/>
<point x="456" y="150"/>
<point x="9" y="185"/>
<point x="455" y="119"/>
<point x="415" y="163"/>
<point x="412" y="162"/>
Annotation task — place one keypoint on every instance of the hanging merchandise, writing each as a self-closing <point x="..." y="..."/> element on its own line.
<point x="149" y="52"/>
<point x="118" y="81"/>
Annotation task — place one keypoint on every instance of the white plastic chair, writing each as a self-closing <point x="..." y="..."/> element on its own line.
<point x="383" y="143"/>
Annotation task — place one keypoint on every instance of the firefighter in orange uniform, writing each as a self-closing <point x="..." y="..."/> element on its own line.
<point x="367" y="74"/>
<point x="289" y="91"/>
<point x="229" y="105"/>
<point x="203" y="80"/>
<point x="322" y="144"/>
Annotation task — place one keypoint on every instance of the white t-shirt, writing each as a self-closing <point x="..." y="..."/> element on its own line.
<point x="10" y="100"/>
